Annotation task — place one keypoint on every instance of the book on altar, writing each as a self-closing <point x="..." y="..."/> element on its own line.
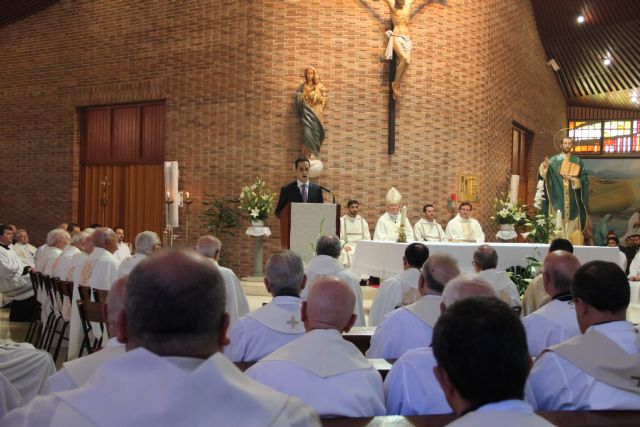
<point x="569" y="169"/>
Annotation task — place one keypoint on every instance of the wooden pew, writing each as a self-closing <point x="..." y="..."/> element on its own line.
<point x="381" y="365"/>
<point x="559" y="418"/>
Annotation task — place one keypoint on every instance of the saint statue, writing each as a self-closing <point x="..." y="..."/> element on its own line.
<point x="310" y="99"/>
<point x="566" y="185"/>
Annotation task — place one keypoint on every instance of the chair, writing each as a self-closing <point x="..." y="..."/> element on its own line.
<point x="100" y="295"/>
<point x="36" y="324"/>
<point x="85" y="292"/>
<point x="65" y="291"/>
<point x="46" y="288"/>
<point x="91" y="312"/>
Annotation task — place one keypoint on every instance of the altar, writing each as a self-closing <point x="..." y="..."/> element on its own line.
<point x="384" y="259"/>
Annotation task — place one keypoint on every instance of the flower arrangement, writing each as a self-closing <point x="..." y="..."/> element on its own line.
<point x="541" y="229"/>
<point x="507" y="212"/>
<point x="256" y="200"/>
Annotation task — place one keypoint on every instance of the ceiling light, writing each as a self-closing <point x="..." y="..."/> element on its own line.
<point x="580" y="19"/>
<point x="606" y="61"/>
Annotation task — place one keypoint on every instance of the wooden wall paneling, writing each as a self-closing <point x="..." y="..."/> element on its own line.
<point x="143" y="200"/>
<point x="96" y="147"/>
<point x="126" y="134"/>
<point x="152" y="138"/>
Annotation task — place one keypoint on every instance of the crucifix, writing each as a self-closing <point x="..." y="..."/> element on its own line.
<point x="104" y="184"/>
<point x="399" y="53"/>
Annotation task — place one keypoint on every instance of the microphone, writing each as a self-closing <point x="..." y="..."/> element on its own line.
<point x="328" y="191"/>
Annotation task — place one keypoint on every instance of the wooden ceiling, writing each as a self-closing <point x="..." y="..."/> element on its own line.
<point x="14" y="10"/>
<point x="611" y="29"/>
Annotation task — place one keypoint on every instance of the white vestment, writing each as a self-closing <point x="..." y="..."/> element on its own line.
<point x="123" y="252"/>
<point x="505" y="413"/>
<point x="401" y="289"/>
<point x="503" y="285"/>
<point x="550" y="325"/>
<point x="534" y="296"/>
<point x="352" y="230"/>
<point x="326" y="372"/>
<point x="411" y="387"/>
<point x="103" y="266"/>
<point x="76" y="372"/>
<point x="263" y="331"/>
<point x="46" y="263"/>
<point x="634" y="267"/>
<point x="324" y="265"/>
<point x="25" y="367"/>
<point x="129" y="264"/>
<point x="9" y="397"/>
<point x="12" y="282"/>
<point x="405" y="328"/>
<point x="556" y="384"/>
<point x="26" y="252"/>
<point x="62" y="265"/>
<point x="387" y="228"/>
<point x="140" y="388"/>
<point x="237" y="304"/>
<point x="464" y="230"/>
<point x="41" y="253"/>
<point x="429" y="231"/>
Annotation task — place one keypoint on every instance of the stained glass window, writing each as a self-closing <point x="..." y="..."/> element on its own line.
<point x="605" y="137"/>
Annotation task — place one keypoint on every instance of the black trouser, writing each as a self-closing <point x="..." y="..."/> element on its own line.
<point x="23" y="310"/>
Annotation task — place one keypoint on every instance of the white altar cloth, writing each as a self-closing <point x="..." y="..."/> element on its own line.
<point x="384" y="259"/>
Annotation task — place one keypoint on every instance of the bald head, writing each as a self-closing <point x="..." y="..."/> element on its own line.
<point x="329" y="305"/>
<point x="463" y="287"/>
<point x="436" y="272"/>
<point x="558" y="271"/>
<point x="115" y="305"/>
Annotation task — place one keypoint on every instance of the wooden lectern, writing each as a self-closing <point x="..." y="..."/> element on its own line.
<point x="302" y="223"/>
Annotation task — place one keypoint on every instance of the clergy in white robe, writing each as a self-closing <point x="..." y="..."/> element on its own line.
<point x="463" y="228"/>
<point x="76" y="372"/>
<point x="353" y="228"/>
<point x="25" y="250"/>
<point x="26" y="367"/>
<point x="146" y="243"/>
<point x="388" y="225"/>
<point x="277" y="323"/>
<point x="322" y="368"/>
<point x="237" y="304"/>
<point x="427" y="229"/>
<point x="57" y="240"/>
<point x="326" y="263"/>
<point x="124" y="251"/>
<point x="61" y="266"/>
<point x="556" y="321"/>
<point x="634" y="268"/>
<point x="484" y="384"/>
<point x="597" y="370"/>
<point x="485" y="261"/>
<point x="14" y="279"/>
<point x="411" y="326"/>
<point x="401" y="289"/>
<point x="411" y="387"/>
<point x="181" y="317"/>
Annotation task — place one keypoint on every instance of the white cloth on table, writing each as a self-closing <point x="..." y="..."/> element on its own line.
<point x="9" y="397"/>
<point x="12" y="282"/>
<point x="464" y="230"/>
<point x="129" y="264"/>
<point x="556" y="384"/>
<point x="123" y="252"/>
<point x="411" y="387"/>
<point x="388" y="226"/>
<point x="505" y="413"/>
<point x="76" y="372"/>
<point x="503" y="285"/>
<point x="263" y="331"/>
<point x="26" y="252"/>
<point x="25" y="367"/>
<point x="237" y="304"/>
<point x="62" y="265"/>
<point x="325" y="265"/>
<point x="391" y="294"/>
<point x="175" y="391"/>
<point x="430" y="231"/>
<point x="550" y="325"/>
<point x="326" y="372"/>
<point x="352" y="230"/>
<point x="405" y="328"/>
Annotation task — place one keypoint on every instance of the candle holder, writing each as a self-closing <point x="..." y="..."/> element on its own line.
<point x="168" y="236"/>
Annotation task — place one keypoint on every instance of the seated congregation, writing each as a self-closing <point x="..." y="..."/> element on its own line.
<point x="185" y="349"/>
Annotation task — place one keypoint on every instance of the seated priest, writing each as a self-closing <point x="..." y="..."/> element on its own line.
<point x="427" y="228"/>
<point x="485" y="263"/>
<point x="388" y="225"/>
<point x="353" y="228"/>
<point x="322" y="368"/>
<point x="463" y="228"/>
<point x="260" y="332"/>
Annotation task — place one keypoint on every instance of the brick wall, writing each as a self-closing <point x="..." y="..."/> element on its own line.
<point x="228" y="70"/>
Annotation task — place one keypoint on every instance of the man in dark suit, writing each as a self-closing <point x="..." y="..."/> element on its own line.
<point x="300" y="190"/>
